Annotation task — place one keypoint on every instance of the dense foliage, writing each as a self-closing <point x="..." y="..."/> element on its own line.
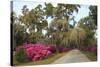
<point x="21" y="56"/>
<point x="34" y="52"/>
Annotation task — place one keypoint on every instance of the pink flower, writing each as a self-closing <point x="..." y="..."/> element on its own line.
<point x="36" y="51"/>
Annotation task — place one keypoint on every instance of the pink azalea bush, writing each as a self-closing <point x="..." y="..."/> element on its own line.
<point x="36" y="52"/>
<point x="93" y="49"/>
<point x="63" y="49"/>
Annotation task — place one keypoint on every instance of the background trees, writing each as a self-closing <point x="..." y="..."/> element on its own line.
<point x="93" y="13"/>
<point x="29" y="26"/>
<point x="60" y="26"/>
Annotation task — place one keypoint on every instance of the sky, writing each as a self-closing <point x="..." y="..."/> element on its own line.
<point x="18" y="5"/>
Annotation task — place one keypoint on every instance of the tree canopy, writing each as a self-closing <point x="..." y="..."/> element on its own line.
<point x="29" y="26"/>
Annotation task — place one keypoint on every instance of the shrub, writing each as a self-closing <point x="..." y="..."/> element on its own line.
<point x="21" y="56"/>
<point x="34" y="52"/>
<point x="51" y="48"/>
<point x="63" y="49"/>
<point x="94" y="49"/>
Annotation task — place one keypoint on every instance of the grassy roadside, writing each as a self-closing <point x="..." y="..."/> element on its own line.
<point x="90" y="55"/>
<point x="40" y="62"/>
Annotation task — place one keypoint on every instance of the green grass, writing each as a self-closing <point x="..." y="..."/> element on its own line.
<point x="49" y="60"/>
<point x="90" y="55"/>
